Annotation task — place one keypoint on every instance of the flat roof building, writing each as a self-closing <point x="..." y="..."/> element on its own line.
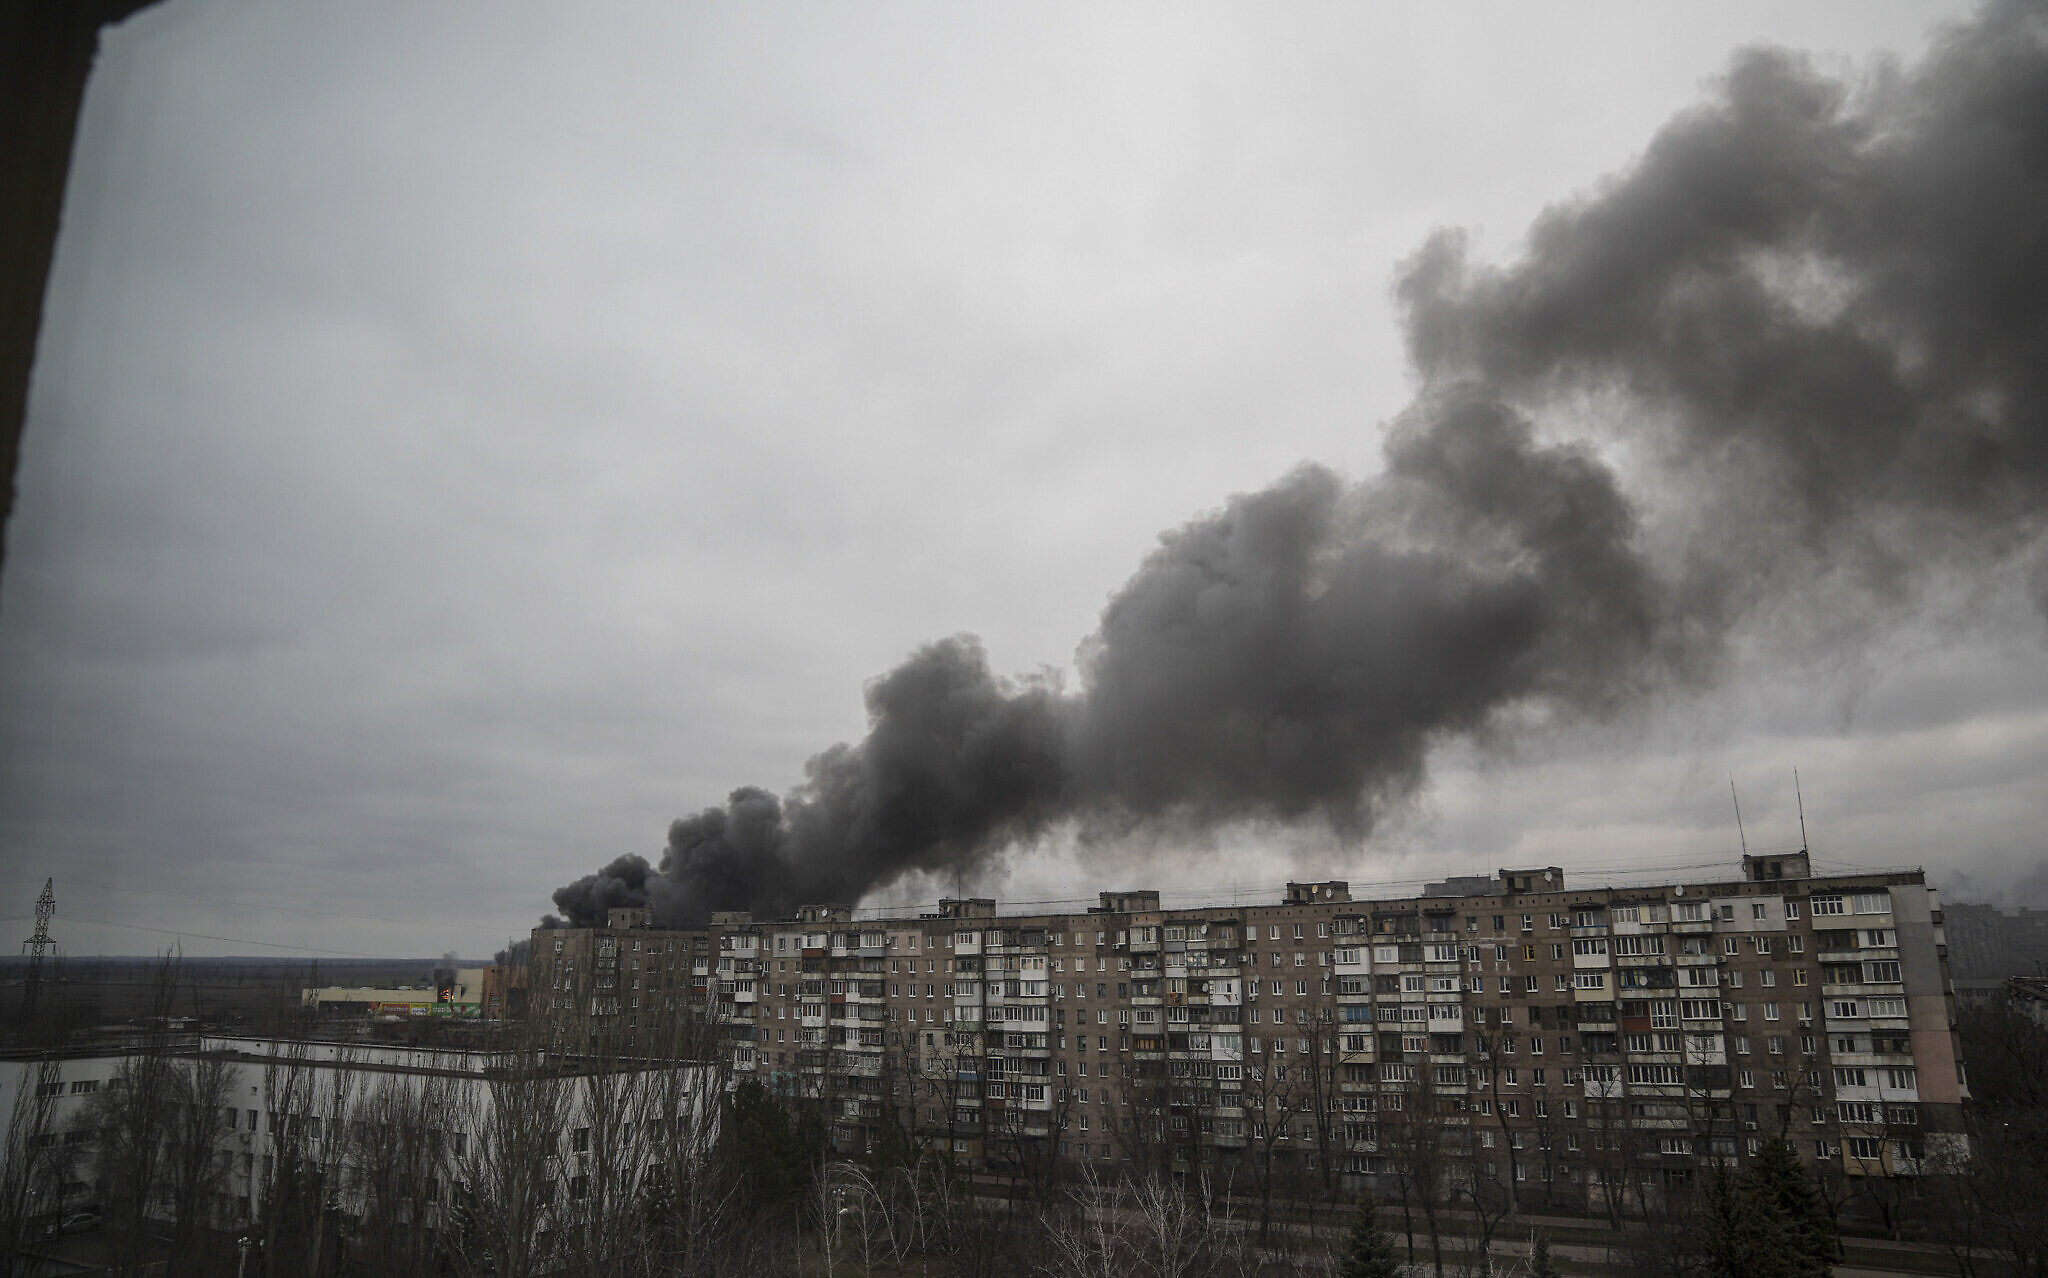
<point x="1575" y="1038"/>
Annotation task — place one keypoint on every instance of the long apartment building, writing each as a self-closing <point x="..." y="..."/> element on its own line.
<point x="1578" y="1037"/>
<point x="342" y="1107"/>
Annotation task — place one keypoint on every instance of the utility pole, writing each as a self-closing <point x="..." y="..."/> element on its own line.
<point x="37" y="945"/>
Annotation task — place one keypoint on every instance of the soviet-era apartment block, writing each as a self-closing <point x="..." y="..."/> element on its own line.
<point x="1577" y="1040"/>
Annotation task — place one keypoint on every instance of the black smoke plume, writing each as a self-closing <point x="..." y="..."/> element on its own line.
<point x="1813" y="317"/>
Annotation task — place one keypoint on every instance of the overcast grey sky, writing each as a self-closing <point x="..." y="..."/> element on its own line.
<point x="462" y="443"/>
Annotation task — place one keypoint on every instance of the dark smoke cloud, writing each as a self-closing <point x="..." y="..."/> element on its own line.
<point x="622" y="883"/>
<point x="1832" y="310"/>
<point x="1823" y="314"/>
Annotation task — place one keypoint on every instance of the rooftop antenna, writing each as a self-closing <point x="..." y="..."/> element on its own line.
<point x="1738" y="815"/>
<point x="1802" y="809"/>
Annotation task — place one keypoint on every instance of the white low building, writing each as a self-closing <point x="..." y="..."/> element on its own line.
<point x="382" y="1128"/>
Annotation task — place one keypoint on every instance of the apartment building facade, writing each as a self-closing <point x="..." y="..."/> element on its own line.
<point x="1572" y="1041"/>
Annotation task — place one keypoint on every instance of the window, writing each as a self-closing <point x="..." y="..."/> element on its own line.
<point x="1873" y="903"/>
<point x="1826" y="905"/>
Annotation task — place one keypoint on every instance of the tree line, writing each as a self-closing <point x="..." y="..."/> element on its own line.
<point x="568" y="1155"/>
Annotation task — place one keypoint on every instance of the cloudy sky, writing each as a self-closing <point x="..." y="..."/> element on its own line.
<point x="459" y="447"/>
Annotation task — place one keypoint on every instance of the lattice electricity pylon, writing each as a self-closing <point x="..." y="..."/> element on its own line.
<point x="38" y="945"/>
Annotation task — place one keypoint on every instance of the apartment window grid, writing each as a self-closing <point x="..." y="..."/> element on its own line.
<point x="1186" y="983"/>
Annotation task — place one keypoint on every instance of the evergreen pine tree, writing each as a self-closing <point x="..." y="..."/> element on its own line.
<point x="1370" y="1253"/>
<point x="1540" y="1265"/>
<point x="771" y="1156"/>
<point x="1737" y="1236"/>
<point x="1781" y="1188"/>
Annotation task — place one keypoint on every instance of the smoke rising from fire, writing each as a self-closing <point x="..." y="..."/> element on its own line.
<point x="1813" y="317"/>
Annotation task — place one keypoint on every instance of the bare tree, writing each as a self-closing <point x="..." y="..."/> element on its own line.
<point x="1477" y="1181"/>
<point x="1272" y="1092"/>
<point x="298" y="1189"/>
<point x="691" y="1213"/>
<point x="33" y="1162"/>
<point x="1141" y="1105"/>
<point x="1488" y="1044"/>
<point x="1321" y="1098"/>
<point x="1416" y="1137"/>
<point x="1882" y="1139"/>
<point x="1143" y="1225"/>
<point x="507" y="1161"/>
<point x="1617" y="1146"/>
<point x="195" y="1168"/>
<point x="398" y="1166"/>
<point x="1027" y="1137"/>
<point x="130" y="1120"/>
<point x="1989" y="1190"/>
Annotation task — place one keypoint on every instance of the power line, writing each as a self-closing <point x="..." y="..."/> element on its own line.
<point x="257" y="905"/>
<point x="232" y="940"/>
